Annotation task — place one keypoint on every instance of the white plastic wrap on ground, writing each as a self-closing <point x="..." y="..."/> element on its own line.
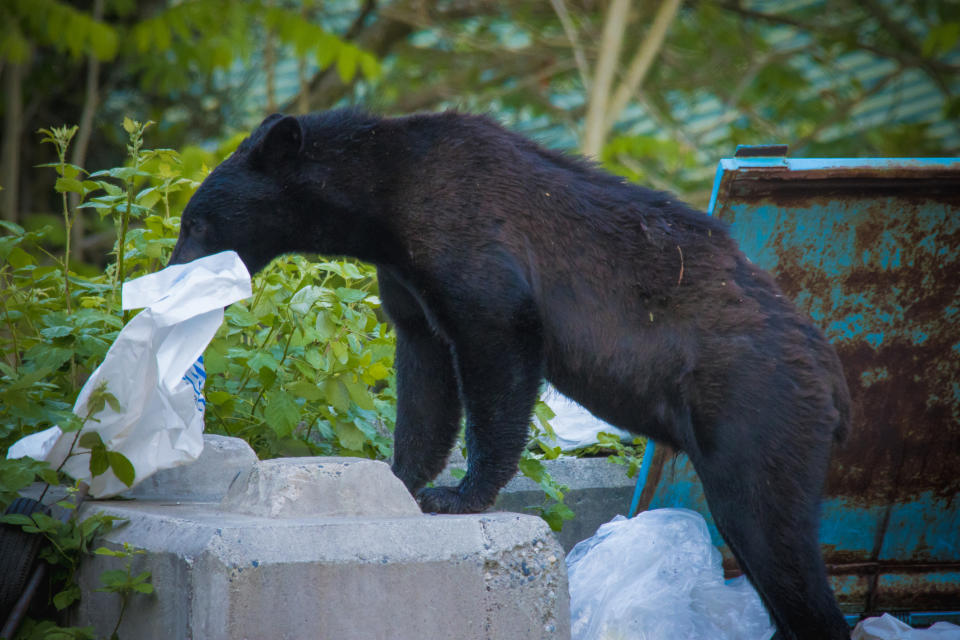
<point x="886" y="627"/>
<point x="658" y="576"/>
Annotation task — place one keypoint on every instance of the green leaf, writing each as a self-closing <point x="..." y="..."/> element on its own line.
<point x="348" y="295"/>
<point x="305" y="389"/>
<point x="18" y="258"/>
<point x="91" y="440"/>
<point x="347" y="63"/>
<point x="350" y="436"/>
<point x="99" y="462"/>
<point x="360" y="395"/>
<point x="72" y="185"/>
<point x="303" y="299"/>
<point x="378" y="371"/>
<point x="113" y="580"/>
<point x="121" y="467"/>
<point x="337" y="395"/>
<point x="532" y="468"/>
<point x="281" y="412"/>
<point x="340" y="352"/>
<point x="261" y="360"/>
<point x="56" y="332"/>
<point x="67" y="597"/>
<point x="105" y="551"/>
<point x="17" y="519"/>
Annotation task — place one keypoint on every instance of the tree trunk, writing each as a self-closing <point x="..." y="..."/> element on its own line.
<point x="13" y="130"/>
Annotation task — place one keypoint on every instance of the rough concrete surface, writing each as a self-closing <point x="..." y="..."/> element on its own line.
<point x="289" y="487"/>
<point x="205" y="479"/>
<point x="282" y="571"/>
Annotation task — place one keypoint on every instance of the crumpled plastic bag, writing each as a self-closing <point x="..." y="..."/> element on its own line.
<point x="659" y="576"/>
<point x="155" y="370"/>
<point x="886" y="627"/>
<point x="575" y="426"/>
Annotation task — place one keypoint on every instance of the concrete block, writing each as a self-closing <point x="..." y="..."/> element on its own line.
<point x="297" y="562"/>
<point x="205" y="479"/>
<point x="291" y="487"/>
<point x="599" y="490"/>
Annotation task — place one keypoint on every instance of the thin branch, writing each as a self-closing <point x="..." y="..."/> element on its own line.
<point x="571" y="30"/>
<point x="642" y="60"/>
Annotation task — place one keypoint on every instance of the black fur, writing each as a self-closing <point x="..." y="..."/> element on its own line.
<point x="502" y="263"/>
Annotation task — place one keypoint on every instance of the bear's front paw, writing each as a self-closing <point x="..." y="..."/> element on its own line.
<point x="443" y="500"/>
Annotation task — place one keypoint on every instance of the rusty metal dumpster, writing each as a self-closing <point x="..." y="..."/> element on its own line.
<point x="870" y="248"/>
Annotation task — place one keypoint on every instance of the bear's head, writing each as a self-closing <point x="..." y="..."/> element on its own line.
<point x="249" y="203"/>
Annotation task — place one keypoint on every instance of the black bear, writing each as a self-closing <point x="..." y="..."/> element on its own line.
<point x="502" y="263"/>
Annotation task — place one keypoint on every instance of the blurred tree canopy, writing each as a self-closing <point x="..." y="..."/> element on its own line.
<point x="658" y="91"/>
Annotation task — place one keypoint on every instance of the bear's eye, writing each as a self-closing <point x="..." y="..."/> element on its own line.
<point x="196" y="227"/>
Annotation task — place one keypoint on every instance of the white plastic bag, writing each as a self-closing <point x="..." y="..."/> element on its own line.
<point x="575" y="426"/>
<point x="155" y="370"/>
<point x="658" y="576"/>
<point x="886" y="627"/>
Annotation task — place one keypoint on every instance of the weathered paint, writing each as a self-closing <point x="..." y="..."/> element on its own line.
<point x="870" y="248"/>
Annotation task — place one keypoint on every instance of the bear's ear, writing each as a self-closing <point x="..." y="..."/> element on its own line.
<point x="281" y="142"/>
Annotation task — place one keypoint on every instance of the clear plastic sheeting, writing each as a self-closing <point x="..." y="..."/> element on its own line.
<point x="886" y="627"/>
<point x="659" y="576"/>
<point x="155" y="372"/>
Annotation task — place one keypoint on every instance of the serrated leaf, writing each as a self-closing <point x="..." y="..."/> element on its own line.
<point x="281" y="412"/>
<point x="337" y="395"/>
<point x="306" y="390"/>
<point x="56" y="332"/>
<point x="348" y="295"/>
<point x="303" y="299"/>
<point x="350" y="436"/>
<point x="340" y="352"/>
<point x="360" y="395"/>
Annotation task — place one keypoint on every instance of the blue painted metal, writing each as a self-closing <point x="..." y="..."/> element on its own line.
<point x="645" y="465"/>
<point x="870" y="248"/>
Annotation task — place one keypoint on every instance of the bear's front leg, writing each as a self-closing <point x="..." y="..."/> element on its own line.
<point x="499" y="362"/>
<point x="428" y="402"/>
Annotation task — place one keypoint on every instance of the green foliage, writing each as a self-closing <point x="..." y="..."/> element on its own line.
<point x="610" y="446"/>
<point x="305" y="366"/>
<point x="55" y="24"/>
<point x="552" y="509"/>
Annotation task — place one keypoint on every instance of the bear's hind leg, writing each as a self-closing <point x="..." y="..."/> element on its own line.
<point x="768" y="513"/>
